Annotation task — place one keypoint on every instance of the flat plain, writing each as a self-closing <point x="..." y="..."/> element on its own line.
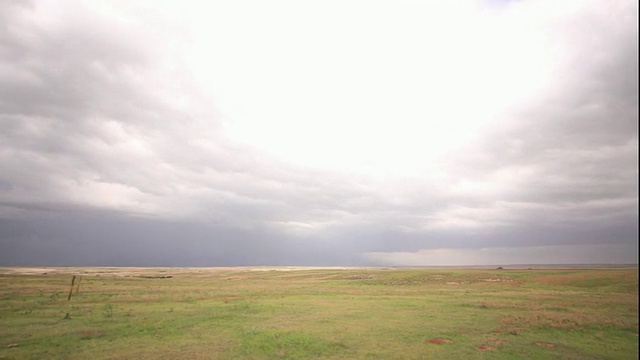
<point x="321" y="313"/>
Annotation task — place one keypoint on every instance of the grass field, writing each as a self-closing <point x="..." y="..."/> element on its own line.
<point x="322" y="313"/>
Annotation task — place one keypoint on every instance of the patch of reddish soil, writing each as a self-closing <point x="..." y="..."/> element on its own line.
<point x="545" y="344"/>
<point x="485" y="348"/>
<point x="439" y="341"/>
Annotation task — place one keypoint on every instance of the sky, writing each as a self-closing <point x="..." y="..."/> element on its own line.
<point x="318" y="133"/>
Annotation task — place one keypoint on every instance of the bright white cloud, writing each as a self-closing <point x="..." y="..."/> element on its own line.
<point x="373" y="87"/>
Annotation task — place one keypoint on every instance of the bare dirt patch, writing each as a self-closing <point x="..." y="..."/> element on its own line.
<point x="485" y="347"/>
<point x="439" y="341"/>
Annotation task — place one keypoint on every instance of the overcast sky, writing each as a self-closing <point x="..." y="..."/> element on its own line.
<point x="350" y="132"/>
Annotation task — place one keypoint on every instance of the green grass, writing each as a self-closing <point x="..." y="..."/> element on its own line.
<point x="543" y="313"/>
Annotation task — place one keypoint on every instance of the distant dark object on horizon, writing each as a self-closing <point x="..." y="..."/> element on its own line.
<point x="499" y="268"/>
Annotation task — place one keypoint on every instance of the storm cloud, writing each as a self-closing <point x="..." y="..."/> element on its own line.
<point x="318" y="133"/>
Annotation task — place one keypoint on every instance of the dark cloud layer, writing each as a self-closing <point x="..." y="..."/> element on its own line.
<point x="112" y="153"/>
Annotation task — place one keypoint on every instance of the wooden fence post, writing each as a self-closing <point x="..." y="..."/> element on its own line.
<point x="78" y="284"/>
<point x="73" y="280"/>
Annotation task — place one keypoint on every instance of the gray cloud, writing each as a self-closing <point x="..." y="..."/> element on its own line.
<point x="113" y="154"/>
